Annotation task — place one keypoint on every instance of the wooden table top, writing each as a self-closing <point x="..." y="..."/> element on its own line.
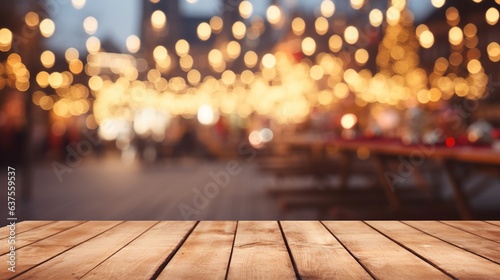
<point x="473" y="154"/>
<point x="254" y="250"/>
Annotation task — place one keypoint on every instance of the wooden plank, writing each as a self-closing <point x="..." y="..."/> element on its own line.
<point x="318" y="255"/>
<point x="496" y="223"/>
<point x="23" y="227"/>
<point x="380" y="255"/>
<point x="145" y="255"/>
<point x="260" y="252"/>
<point x="79" y="260"/>
<point x="205" y="253"/>
<point x="482" y="229"/>
<point x="43" y="250"/>
<point x="29" y="237"/>
<point x="470" y="242"/>
<point x="455" y="261"/>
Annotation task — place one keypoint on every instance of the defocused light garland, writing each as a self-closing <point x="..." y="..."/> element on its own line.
<point x="284" y="89"/>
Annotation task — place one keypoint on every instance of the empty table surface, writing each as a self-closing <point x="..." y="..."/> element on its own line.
<point x="254" y="250"/>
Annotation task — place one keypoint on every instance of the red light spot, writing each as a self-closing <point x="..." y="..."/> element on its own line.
<point x="450" y="142"/>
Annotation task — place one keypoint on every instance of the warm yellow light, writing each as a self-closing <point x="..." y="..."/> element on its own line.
<point x="421" y="28"/>
<point x="348" y="121"/>
<point x="335" y="43"/>
<point x="158" y="20"/>
<point x="78" y="4"/>
<point x="452" y="16"/>
<point x="357" y="4"/>
<point x="204" y="31"/>
<point x="434" y="94"/>
<point x="206" y="115"/>
<point x="423" y="96"/>
<point x="327" y="8"/>
<point x="455" y="35"/>
<point x="494" y="51"/>
<point x="186" y="62"/>
<point x="46" y="102"/>
<point x="182" y="47"/>
<point x="470" y="30"/>
<point x="361" y="56"/>
<point x="32" y="19"/>
<point x="194" y="77"/>
<point x="93" y="44"/>
<point x="268" y="60"/>
<point x="308" y="46"/>
<point x="216" y="24"/>
<point x="438" y="3"/>
<point x="233" y="49"/>
<point x="71" y="54"/>
<point x="47" y="28"/>
<point x="474" y="66"/>
<point x="376" y="17"/>
<point x="441" y="65"/>
<point x="325" y="97"/>
<point x="246" y="9"/>
<point x="76" y="66"/>
<point x="42" y="79"/>
<point x="351" y="35"/>
<point x="55" y="80"/>
<point x="5" y="39"/>
<point x="393" y="15"/>
<point x="456" y="58"/>
<point x="341" y="90"/>
<point x="492" y="16"/>
<point x="160" y="53"/>
<point x="316" y="72"/>
<point x="247" y="77"/>
<point x="273" y="14"/>
<point x="399" y="4"/>
<point x="250" y="59"/>
<point x="48" y="59"/>
<point x="215" y="58"/>
<point x="239" y="30"/>
<point x="426" y="39"/>
<point x="90" y="25"/>
<point x="228" y="77"/>
<point x="298" y="26"/>
<point x="96" y="83"/>
<point x="321" y="25"/>
<point x="133" y="43"/>
<point x="37" y="95"/>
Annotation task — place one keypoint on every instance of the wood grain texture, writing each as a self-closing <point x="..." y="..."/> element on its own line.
<point x="318" y="255"/>
<point x="31" y="236"/>
<point x="22" y="227"/>
<point x="473" y="243"/>
<point x="260" y="252"/>
<point x="496" y="223"/>
<point x="455" y="261"/>
<point x="43" y="250"/>
<point x="143" y="257"/>
<point x="75" y="263"/>
<point x="482" y="229"/>
<point x="205" y="253"/>
<point x="381" y="256"/>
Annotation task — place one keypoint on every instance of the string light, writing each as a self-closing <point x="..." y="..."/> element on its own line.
<point x="282" y="85"/>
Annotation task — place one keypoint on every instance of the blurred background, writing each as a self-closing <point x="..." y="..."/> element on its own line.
<point x="269" y="109"/>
